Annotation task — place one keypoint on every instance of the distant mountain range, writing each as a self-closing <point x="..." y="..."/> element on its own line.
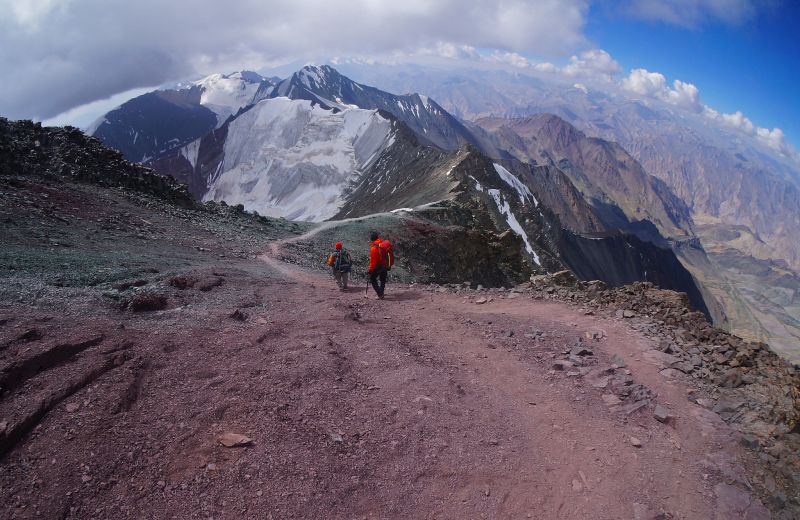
<point x="317" y="145"/>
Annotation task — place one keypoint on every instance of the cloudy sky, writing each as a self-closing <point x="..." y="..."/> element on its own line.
<point x="736" y="61"/>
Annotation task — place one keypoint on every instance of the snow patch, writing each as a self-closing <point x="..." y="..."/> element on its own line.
<point x="190" y="152"/>
<point x="225" y="95"/>
<point x="513" y="223"/>
<point x="402" y="210"/>
<point x="522" y="190"/>
<point x="477" y="184"/>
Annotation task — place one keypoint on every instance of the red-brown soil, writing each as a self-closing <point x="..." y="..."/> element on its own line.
<point x="423" y="405"/>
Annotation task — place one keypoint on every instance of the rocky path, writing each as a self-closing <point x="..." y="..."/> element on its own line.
<point x="423" y="405"/>
<point x="520" y="438"/>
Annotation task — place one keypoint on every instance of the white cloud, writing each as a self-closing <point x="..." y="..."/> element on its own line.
<point x="774" y="138"/>
<point x="644" y="82"/>
<point x="687" y="96"/>
<point x="691" y="13"/>
<point x="62" y="54"/>
<point x="594" y="64"/>
<point x="450" y="51"/>
<point x="517" y="60"/>
<point x="654" y="84"/>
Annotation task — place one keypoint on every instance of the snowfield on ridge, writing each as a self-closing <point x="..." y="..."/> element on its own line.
<point x="293" y="159"/>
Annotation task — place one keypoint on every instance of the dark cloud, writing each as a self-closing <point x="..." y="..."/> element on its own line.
<point x="57" y="54"/>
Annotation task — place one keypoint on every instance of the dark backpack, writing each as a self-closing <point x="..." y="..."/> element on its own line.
<point x="343" y="262"/>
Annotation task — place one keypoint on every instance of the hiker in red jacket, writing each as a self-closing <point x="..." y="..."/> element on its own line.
<point x="341" y="264"/>
<point x="381" y="259"/>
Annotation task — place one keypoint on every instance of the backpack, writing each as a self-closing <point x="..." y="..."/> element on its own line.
<point x="331" y="259"/>
<point x="386" y="254"/>
<point x="343" y="262"/>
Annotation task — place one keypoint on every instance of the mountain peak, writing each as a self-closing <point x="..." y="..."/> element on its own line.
<point x="319" y="76"/>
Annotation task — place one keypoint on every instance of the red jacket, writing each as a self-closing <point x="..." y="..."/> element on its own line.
<point x="374" y="255"/>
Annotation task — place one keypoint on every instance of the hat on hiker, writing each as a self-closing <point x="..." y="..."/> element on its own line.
<point x="338" y="245"/>
<point x="373" y="236"/>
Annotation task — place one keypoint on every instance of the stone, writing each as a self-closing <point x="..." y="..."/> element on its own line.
<point x="618" y="361"/>
<point x="636" y="443"/>
<point x="562" y="364"/>
<point x="662" y="414"/>
<point x="73" y="407"/>
<point x="671" y="373"/>
<point x="595" y="334"/>
<point x="610" y="399"/>
<point x="727" y="406"/>
<point x="633" y="407"/>
<point x="481" y="301"/>
<point x="706" y="403"/>
<point x="628" y="313"/>
<point x="683" y="366"/>
<point x="599" y="382"/>
<point x="234" y="440"/>
<point x="750" y="442"/>
<point x="660" y="358"/>
<point x="238" y="315"/>
<point x="576" y="485"/>
<point x="580" y="350"/>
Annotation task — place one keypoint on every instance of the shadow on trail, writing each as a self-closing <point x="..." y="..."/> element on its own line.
<point x="402" y="296"/>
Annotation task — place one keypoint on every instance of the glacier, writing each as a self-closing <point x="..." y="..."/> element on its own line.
<point x="294" y="159"/>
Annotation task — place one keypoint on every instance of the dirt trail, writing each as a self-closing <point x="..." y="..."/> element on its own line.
<point x="517" y="439"/>
<point x="422" y="405"/>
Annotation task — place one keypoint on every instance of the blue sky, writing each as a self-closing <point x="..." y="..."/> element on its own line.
<point x="752" y="66"/>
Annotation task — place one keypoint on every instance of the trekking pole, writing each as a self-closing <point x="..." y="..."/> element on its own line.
<point x="366" y="284"/>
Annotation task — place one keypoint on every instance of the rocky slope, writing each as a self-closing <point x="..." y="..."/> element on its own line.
<point x="601" y="170"/>
<point x="154" y="360"/>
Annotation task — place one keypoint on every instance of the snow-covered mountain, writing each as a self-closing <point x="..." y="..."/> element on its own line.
<point x="290" y="158"/>
<point x="324" y="85"/>
<point x="149" y="125"/>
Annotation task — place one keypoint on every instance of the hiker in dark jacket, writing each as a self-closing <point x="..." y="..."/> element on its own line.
<point x="381" y="260"/>
<point x="341" y="264"/>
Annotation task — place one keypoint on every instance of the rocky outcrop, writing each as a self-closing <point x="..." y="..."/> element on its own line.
<point x="28" y="148"/>
<point x="622" y="259"/>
